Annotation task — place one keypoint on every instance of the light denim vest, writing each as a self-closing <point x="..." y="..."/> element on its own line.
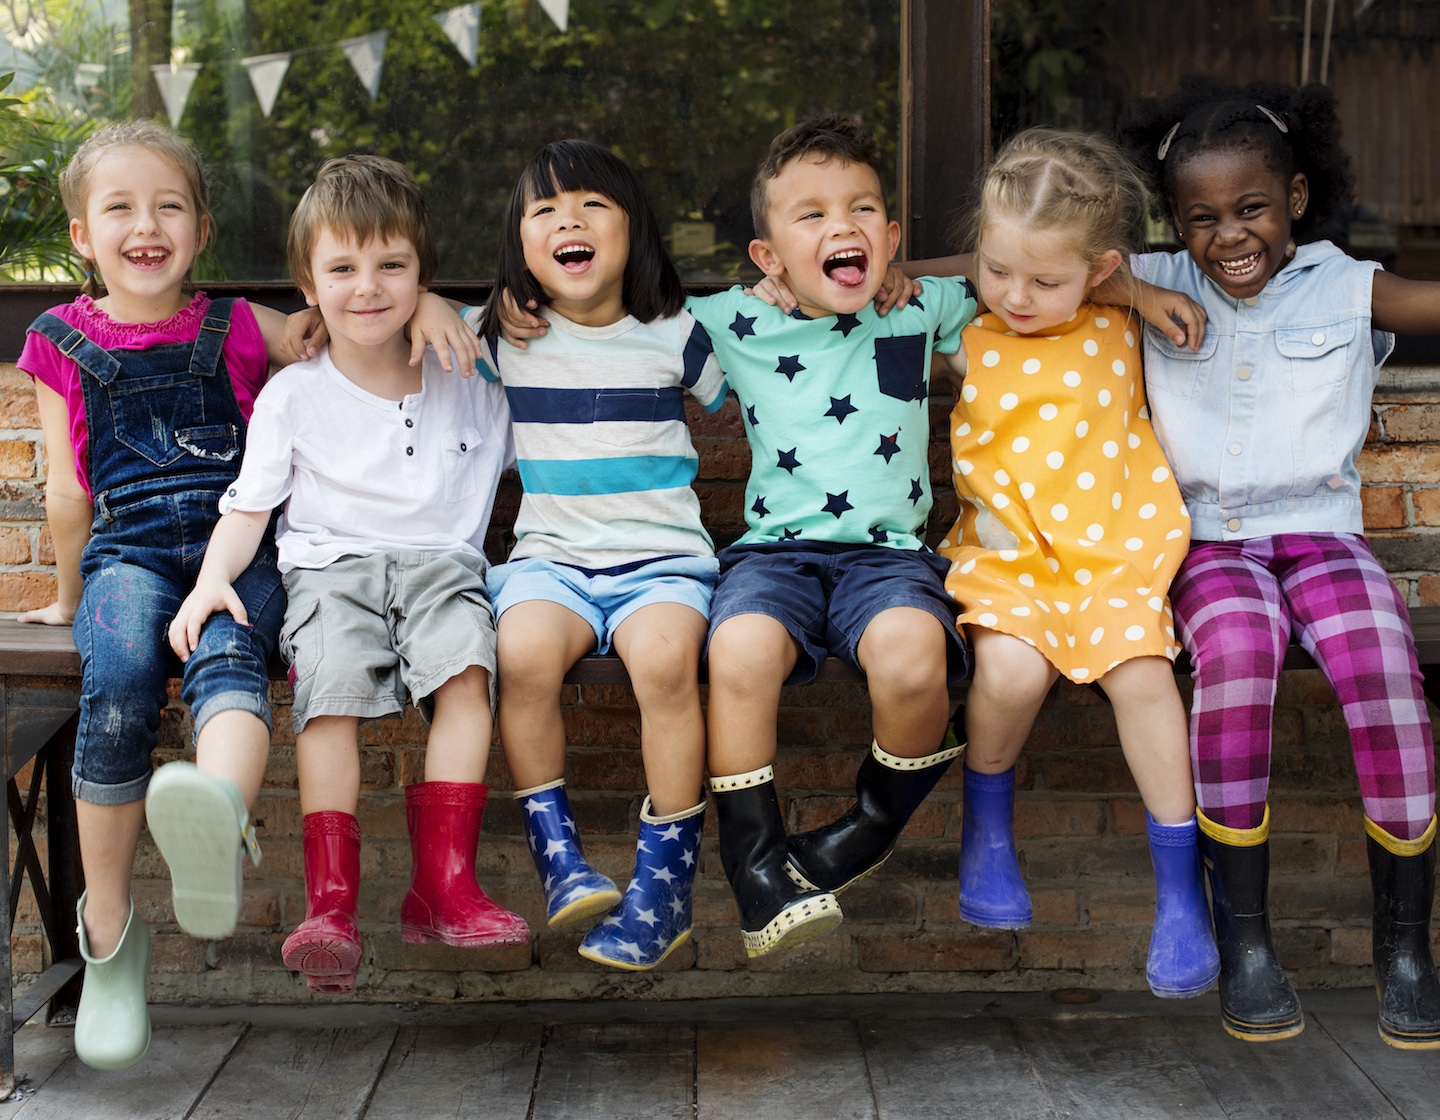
<point x="1264" y="425"/>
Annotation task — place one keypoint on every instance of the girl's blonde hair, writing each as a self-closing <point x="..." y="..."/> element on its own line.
<point x="75" y="179"/>
<point x="1077" y="184"/>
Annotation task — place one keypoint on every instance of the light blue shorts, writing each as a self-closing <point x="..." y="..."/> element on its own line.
<point x="605" y="599"/>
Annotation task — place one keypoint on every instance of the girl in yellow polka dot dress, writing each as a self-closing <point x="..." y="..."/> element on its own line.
<point x="1070" y="530"/>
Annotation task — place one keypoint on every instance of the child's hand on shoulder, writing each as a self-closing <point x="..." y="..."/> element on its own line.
<point x="437" y="324"/>
<point x="208" y="597"/>
<point x="774" y="292"/>
<point x="1180" y="317"/>
<point x="517" y="324"/>
<point x="305" y="335"/>
<point x="895" y="290"/>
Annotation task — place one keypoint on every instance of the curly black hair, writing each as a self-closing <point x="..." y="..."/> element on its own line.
<point x="1206" y="115"/>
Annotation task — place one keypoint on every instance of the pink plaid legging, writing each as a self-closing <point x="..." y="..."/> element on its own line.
<point x="1236" y="604"/>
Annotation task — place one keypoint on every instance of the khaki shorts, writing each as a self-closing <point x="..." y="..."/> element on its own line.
<point x="367" y="633"/>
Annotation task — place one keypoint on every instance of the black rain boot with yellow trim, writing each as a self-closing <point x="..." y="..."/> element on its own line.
<point x="1257" y="1001"/>
<point x="888" y="789"/>
<point x="775" y="913"/>
<point x="1402" y="875"/>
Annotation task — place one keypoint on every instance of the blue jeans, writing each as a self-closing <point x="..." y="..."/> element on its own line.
<point x="141" y="561"/>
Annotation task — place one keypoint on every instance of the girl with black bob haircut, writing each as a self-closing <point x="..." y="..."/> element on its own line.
<point x="652" y="287"/>
<point x="609" y="551"/>
<point x="1263" y="426"/>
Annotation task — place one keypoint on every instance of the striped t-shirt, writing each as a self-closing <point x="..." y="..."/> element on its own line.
<point x="604" y="452"/>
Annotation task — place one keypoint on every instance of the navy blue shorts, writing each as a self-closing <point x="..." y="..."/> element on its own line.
<point x="826" y="595"/>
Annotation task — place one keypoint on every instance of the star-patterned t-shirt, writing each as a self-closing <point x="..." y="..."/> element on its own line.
<point x="836" y="411"/>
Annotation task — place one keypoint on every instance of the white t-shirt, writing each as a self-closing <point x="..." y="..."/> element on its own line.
<point x="359" y="474"/>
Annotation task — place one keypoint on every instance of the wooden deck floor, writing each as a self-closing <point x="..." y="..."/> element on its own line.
<point x="866" y="1058"/>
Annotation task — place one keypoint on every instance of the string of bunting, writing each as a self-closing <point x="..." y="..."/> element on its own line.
<point x="365" y="53"/>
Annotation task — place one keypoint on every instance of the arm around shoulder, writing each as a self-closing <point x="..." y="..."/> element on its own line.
<point x="1404" y="306"/>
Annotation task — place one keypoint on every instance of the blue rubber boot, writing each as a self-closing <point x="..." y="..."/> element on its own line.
<point x="653" y="919"/>
<point x="574" y="890"/>
<point x="1183" y="960"/>
<point x="992" y="891"/>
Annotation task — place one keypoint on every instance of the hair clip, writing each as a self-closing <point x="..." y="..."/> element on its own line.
<point x="1274" y="118"/>
<point x="1169" y="139"/>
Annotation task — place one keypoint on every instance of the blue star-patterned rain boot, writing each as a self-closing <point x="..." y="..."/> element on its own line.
<point x="653" y="919"/>
<point x="1183" y="961"/>
<point x="992" y="890"/>
<point x="574" y="890"/>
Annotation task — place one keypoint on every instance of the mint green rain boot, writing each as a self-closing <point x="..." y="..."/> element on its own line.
<point x="201" y="826"/>
<point x="112" y="1024"/>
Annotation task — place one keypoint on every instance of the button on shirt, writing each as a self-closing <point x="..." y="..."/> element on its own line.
<point x="359" y="474"/>
<point x="1264" y="426"/>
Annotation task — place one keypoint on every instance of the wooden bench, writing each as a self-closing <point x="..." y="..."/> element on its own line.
<point x="39" y="699"/>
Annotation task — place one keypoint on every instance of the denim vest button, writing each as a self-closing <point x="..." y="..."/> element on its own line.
<point x="1234" y="449"/>
<point x="1243" y="373"/>
<point x="1233" y="524"/>
<point x="1318" y="338"/>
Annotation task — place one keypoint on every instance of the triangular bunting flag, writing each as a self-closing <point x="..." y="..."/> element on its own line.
<point x="367" y="55"/>
<point x="266" y="72"/>
<point x="557" y="10"/>
<point x="462" y="27"/>
<point x="175" y="80"/>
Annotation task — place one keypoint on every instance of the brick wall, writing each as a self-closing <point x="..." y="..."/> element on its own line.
<point x="1079" y="820"/>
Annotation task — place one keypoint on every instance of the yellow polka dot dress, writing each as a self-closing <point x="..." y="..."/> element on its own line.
<point x="1071" y="525"/>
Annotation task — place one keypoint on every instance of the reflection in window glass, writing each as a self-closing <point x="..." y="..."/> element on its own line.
<point x="1078" y="63"/>
<point x="688" y="91"/>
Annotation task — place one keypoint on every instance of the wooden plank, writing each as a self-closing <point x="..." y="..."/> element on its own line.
<point x="445" y="1072"/>
<point x="953" y="1067"/>
<point x="322" y="1074"/>
<point x="1410" y="1079"/>
<point x="1308" y="1075"/>
<point x="785" y="1069"/>
<point x="610" y="1071"/>
<point x="165" y="1083"/>
<point x="1110" y="1069"/>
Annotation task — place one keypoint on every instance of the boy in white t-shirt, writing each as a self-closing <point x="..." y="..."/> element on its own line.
<point x="387" y="475"/>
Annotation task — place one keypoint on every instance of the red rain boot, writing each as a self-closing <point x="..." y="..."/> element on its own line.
<point x="445" y="902"/>
<point x="326" y="945"/>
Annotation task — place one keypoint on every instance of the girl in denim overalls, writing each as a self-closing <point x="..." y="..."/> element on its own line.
<point x="144" y="393"/>
<point x="1263" y="427"/>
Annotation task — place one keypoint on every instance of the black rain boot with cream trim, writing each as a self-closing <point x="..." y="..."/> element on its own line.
<point x="1402" y="875"/>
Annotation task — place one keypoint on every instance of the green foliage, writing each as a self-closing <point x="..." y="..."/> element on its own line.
<point x="34" y="229"/>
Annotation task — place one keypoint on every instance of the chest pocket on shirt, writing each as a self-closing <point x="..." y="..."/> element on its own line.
<point x="1318" y="357"/>
<point x="460" y="448"/>
<point x="624" y="417"/>
<point x="900" y="367"/>
<point x="1179" y="368"/>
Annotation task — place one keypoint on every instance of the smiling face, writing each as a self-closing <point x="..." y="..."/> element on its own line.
<point x="829" y="239"/>
<point x="366" y="293"/>
<point x="1035" y="280"/>
<point x="143" y="230"/>
<point x="1234" y="214"/>
<point x="576" y="245"/>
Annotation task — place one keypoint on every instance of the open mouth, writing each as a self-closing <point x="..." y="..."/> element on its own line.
<point x="148" y="258"/>
<point x="1241" y="269"/>
<point x="846" y="268"/>
<point x="574" y="258"/>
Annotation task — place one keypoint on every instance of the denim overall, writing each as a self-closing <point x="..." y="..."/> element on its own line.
<point x="166" y="439"/>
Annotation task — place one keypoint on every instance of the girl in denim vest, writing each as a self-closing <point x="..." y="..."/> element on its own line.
<point x="1263" y="426"/>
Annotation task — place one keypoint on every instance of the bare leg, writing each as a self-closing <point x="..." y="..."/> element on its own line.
<point x="109" y="835"/>
<point x="539" y="641"/>
<point x="660" y="645"/>
<point x="235" y="744"/>
<point x="327" y="759"/>
<point x="1012" y="679"/>
<point x="750" y="657"/>
<point x="1154" y="735"/>
<point x="903" y="652"/>
<point x="459" y="745"/>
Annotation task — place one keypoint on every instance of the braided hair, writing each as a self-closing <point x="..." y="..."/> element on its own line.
<point x="1295" y="130"/>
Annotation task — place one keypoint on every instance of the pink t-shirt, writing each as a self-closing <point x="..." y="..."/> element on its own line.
<point x="244" y="351"/>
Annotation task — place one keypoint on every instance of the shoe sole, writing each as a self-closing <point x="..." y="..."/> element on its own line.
<point x="798" y="877"/>
<point x="801" y="921"/>
<point x="634" y="966"/>
<point x="1402" y="1040"/>
<point x="340" y="958"/>
<point x="986" y="921"/>
<point x="590" y="906"/>
<point x="194" y="825"/>
<point x="421" y="935"/>
<point x="1252" y="1032"/>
